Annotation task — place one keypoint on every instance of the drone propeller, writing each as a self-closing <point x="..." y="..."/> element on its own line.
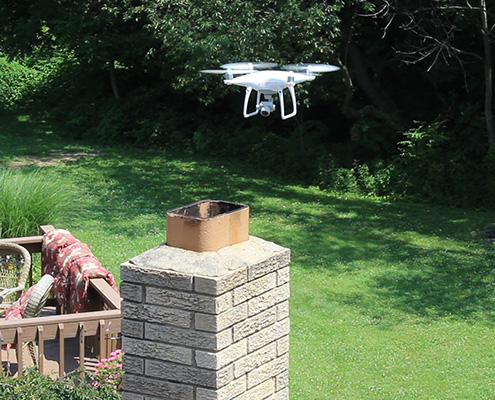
<point x="249" y="65"/>
<point x="226" y="71"/>
<point x="311" y="68"/>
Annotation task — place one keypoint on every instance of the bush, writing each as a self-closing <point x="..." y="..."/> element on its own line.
<point x="35" y="386"/>
<point x="28" y="200"/>
<point x="22" y="83"/>
<point x="375" y="180"/>
<point x="109" y="371"/>
<point x="14" y="78"/>
<point x="431" y="167"/>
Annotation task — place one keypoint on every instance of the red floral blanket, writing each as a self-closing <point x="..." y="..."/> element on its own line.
<point x="72" y="264"/>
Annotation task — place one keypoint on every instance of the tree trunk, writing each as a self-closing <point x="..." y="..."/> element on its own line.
<point x="485" y="31"/>
<point x="367" y="85"/>
<point x="113" y="79"/>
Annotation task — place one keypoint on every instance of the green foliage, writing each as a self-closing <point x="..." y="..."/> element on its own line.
<point x="434" y="167"/>
<point x="431" y="167"/>
<point x="14" y="77"/>
<point x="23" y="81"/>
<point x="35" y="386"/>
<point x="422" y="155"/>
<point x="28" y="200"/>
<point x="109" y="371"/>
<point x="376" y="181"/>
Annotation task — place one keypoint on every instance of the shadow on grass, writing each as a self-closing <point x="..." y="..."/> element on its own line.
<point x="416" y="259"/>
<point x="22" y="136"/>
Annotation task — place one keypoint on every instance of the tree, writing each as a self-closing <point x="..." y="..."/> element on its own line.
<point x="97" y="33"/>
<point x="443" y="31"/>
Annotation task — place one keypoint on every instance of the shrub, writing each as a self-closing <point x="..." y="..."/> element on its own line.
<point x="28" y="200"/>
<point x="35" y="386"/>
<point x="432" y="166"/>
<point x="109" y="371"/>
<point x="362" y="179"/>
<point x="23" y="81"/>
<point x="13" y="80"/>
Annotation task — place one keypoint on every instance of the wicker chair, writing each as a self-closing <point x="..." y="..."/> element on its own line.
<point x="34" y="306"/>
<point x="14" y="271"/>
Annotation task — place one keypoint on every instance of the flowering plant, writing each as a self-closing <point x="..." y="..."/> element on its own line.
<point x="109" y="370"/>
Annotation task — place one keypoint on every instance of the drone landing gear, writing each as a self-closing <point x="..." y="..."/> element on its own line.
<point x="294" y="104"/>
<point x="265" y="108"/>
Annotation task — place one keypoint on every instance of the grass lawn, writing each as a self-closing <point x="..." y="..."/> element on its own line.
<point x="390" y="300"/>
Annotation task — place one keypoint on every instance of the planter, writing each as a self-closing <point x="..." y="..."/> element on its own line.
<point x="207" y="225"/>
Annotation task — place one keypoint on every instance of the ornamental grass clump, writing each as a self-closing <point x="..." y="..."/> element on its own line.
<point x="28" y="200"/>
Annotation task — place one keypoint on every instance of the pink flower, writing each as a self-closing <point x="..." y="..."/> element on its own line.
<point x="116" y="352"/>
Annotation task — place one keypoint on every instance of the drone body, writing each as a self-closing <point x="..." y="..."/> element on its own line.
<point x="267" y="82"/>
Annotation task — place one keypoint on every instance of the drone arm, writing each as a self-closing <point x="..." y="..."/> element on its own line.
<point x="246" y="102"/>
<point x="294" y="104"/>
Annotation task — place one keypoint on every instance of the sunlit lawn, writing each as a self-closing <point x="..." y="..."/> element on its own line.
<point x="390" y="300"/>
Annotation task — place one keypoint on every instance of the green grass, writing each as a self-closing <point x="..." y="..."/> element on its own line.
<point x="390" y="300"/>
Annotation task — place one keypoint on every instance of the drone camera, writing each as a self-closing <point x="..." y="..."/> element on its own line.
<point x="266" y="108"/>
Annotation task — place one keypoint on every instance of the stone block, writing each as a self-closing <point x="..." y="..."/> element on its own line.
<point x="282" y="380"/>
<point x="283" y="345"/>
<point x="222" y="358"/>
<point x="254" y="288"/>
<point x="268" y="335"/>
<point x="283" y="310"/>
<point x="131" y="292"/>
<point x="228" y="392"/>
<point x="189" y="374"/>
<point x="260" y="392"/>
<point x="132" y="273"/>
<point x="188" y="337"/>
<point x="188" y="300"/>
<point x="132" y="328"/>
<point x="207" y="325"/>
<point x="132" y="396"/>
<point x="277" y="261"/>
<point x="283" y="276"/>
<point x="268" y="370"/>
<point x="280" y="395"/>
<point x="153" y="387"/>
<point x="268" y="299"/>
<point x="133" y="364"/>
<point x="219" y="322"/>
<point x="217" y="285"/>
<point x="156" y="350"/>
<point x="255" y="360"/>
<point x="254" y="324"/>
<point x="156" y="314"/>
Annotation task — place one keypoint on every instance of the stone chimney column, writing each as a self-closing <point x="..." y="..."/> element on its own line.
<point x="210" y="325"/>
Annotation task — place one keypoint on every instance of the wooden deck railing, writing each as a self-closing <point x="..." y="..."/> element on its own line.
<point x="98" y="330"/>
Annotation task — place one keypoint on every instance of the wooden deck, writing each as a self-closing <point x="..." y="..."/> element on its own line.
<point x="65" y="341"/>
<point x="51" y="355"/>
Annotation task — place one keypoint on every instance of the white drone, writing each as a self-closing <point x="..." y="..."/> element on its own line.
<point x="267" y="82"/>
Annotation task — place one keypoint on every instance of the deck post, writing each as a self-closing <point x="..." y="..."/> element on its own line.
<point x="208" y="325"/>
